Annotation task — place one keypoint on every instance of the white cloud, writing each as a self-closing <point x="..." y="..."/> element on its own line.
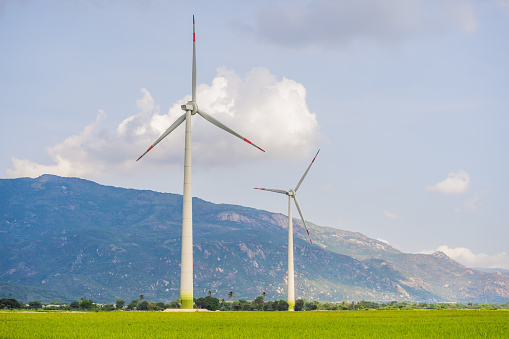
<point x="456" y="183"/>
<point x="391" y="215"/>
<point x="383" y="240"/>
<point x="271" y="113"/>
<point x="330" y="22"/>
<point x="468" y="258"/>
<point x="71" y="158"/>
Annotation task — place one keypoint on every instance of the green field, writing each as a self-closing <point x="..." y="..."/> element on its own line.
<point x="317" y="324"/>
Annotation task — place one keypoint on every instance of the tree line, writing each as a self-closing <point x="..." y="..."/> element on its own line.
<point x="258" y="304"/>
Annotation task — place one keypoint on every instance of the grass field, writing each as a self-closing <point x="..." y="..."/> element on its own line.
<point x="374" y="324"/>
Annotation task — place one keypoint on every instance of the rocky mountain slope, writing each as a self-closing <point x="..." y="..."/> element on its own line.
<point x="84" y="239"/>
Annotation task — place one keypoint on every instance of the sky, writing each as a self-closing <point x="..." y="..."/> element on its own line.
<point x="408" y="103"/>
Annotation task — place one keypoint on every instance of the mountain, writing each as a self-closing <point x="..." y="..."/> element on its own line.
<point x="493" y="270"/>
<point x="80" y="238"/>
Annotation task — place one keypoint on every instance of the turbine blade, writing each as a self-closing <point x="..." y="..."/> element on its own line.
<point x="194" y="64"/>
<point x="302" y="217"/>
<point x="168" y="131"/>
<point x="224" y="127"/>
<point x="302" y="179"/>
<point x="271" y="190"/>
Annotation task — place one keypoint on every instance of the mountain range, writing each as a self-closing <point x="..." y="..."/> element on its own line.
<point x="69" y="238"/>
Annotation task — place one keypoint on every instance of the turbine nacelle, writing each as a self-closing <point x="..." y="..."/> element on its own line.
<point x="190" y="106"/>
<point x="291" y="193"/>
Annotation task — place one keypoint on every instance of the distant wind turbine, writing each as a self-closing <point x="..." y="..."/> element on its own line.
<point x="292" y="194"/>
<point x="191" y="108"/>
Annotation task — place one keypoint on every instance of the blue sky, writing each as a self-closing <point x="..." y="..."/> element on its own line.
<point x="408" y="103"/>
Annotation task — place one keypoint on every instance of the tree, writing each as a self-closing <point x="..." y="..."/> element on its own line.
<point x="87" y="304"/>
<point x="34" y="305"/>
<point x="230" y="296"/>
<point x="258" y="303"/>
<point x="141" y="297"/>
<point x="310" y="306"/>
<point x="143" y="305"/>
<point x="281" y="305"/>
<point x="269" y="306"/>
<point x="75" y="305"/>
<point x="9" y="304"/>
<point x="209" y="303"/>
<point x="174" y="304"/>
<point x="223" y="305"/>
<point x="242" y="305"/>
<point x="132" y="305"/>
<point x="209" y="293"/>
<point x="299" y="305"/>
<point x="108" y="307"/>
<point x="119" y="304"/>
<point x="329" y="306"/>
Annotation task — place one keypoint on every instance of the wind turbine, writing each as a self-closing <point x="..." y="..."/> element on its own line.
<point x="292" y="194"/>
<point x="191" y="108"/>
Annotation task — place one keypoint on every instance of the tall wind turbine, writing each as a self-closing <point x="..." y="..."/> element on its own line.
<point x="191" y="108"/>
<point x="292" y="194"/>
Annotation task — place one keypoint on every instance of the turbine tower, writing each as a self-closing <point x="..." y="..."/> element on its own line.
<point x="191" y="108"/>
<point x="292" y="194"/>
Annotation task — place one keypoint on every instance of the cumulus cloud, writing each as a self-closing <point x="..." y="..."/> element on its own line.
<point x="272" y="113"/>
<point x="468" y="258"/>
<point x="331" y="23"/>
<point x="456" y="183"/>
<point x="391" y="215"/>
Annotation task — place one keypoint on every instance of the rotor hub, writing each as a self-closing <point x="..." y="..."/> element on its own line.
<point x="291" y="193"/>
<point x="190" y="106"/>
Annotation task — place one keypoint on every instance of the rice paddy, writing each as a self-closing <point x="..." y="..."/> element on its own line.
<point x="318" y="324"/>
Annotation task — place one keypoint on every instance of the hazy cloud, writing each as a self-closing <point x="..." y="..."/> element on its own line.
<point x="326" y="187"/>
<point x="456" y="183"/>
<point x="330" y="23"/>
<point x="391" y="215"/>
<point x="468" y="258"/>
<point x="470" y="204"/>
<point x="271" y="113"/>
<point x="503" y="4"/>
